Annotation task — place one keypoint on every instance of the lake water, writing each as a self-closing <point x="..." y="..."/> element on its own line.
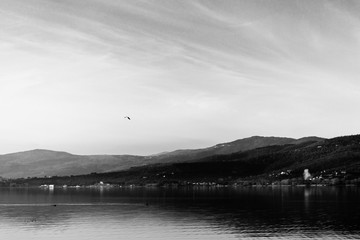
<point x="203" y="213"/>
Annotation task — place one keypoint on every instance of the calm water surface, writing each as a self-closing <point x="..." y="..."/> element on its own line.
<point x="204" y="213"/>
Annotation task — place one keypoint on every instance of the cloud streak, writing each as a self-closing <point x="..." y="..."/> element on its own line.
<point x="190" y="73"/>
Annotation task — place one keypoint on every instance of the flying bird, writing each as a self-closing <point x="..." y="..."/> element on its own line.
<point x="127" y="117"/>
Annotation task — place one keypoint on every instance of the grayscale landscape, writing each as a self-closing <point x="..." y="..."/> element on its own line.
<point x="167" y="119"/>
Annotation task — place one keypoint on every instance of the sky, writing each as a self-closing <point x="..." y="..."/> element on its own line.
<point x="189" y="74"/>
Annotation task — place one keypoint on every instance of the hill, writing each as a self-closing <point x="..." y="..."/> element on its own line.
<point x="230" y="147"/>
<point x="39" y="163"/>
<point x="330" y="161"/>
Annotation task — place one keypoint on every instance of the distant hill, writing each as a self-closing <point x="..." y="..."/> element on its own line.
<point x="231" y="147"/>
<point x="335" y="160"/>
<point x="39" y="163"/>
<point x="320" y="156"/>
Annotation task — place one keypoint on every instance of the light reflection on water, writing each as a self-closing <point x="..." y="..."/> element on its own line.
<point x="207" y="213"/>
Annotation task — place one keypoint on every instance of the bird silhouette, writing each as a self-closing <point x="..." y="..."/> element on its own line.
<point x="127" y="117"/>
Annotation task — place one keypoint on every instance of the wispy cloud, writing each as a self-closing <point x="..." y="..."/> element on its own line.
<point x="190" y="72"/>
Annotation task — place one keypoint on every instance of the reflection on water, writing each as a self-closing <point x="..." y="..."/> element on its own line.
<point x="207" y="213"/>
